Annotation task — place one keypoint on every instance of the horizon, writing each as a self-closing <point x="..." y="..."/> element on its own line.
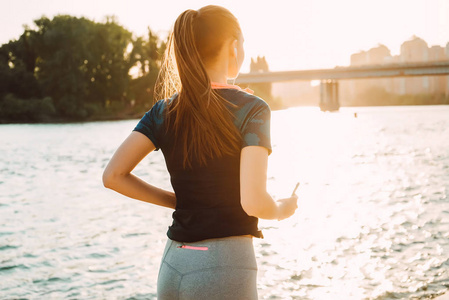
<point x="426" y="20"/>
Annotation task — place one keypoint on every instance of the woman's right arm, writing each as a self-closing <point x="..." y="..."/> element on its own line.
<point x="118" y="177"/>
<point x="253" y="193"/>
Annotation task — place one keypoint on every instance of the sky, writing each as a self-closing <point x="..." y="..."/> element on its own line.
<point x="292" y="35"/>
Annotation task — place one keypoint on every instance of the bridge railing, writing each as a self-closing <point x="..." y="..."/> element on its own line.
<point x="352" y="72"/>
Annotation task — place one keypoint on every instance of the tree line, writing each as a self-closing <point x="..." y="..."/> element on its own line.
<point x="70" y="69"/>
<point x="74" y="69"/>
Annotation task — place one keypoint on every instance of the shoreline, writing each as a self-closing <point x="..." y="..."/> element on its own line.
<point x="139" y="115"/>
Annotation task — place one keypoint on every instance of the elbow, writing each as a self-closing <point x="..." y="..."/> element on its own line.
<point x="251" y="206"/>
<point x="251" y="210"/>
<point x="260" y="205"/>
<point x="108" y="179"/>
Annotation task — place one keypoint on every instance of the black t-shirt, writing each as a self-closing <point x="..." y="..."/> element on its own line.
<point x="208" y="197"/>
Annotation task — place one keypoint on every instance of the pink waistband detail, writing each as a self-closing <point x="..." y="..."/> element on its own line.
<point x="194" y="248"/>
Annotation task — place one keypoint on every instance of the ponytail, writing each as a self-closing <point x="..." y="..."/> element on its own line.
<point x="202" y="123"/>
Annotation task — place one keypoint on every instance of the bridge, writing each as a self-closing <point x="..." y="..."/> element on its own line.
<point x="329" y="77"/>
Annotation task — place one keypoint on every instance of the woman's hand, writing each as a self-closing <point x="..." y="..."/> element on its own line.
<point x="287" y="207"/>
<point x="254" y="197"/>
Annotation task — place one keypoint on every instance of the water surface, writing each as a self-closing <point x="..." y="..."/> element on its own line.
<point x="372" y="222"/>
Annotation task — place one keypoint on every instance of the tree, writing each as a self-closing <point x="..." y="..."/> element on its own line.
<point x="148" y="54"/>
<point x="73" y="68"/>
<point x="81" y="64"/>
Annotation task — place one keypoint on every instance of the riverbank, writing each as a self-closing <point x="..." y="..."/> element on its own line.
<point x="59" y="120"/>
<point x="138" y="115"/>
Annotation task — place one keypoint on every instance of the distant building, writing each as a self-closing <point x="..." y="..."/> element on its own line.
<point x="352" y="88"/>
<point x="437" y="84"/>
<point x="261" y="65"/>
<point x="377" y="55"/>
<point x="414" y="50"/>
<point x="447" y="77"/>
<point x="359" y="59"/>
<point x="264" y="89"/>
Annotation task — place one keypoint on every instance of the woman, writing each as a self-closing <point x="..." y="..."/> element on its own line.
<point x="215" y="138"/>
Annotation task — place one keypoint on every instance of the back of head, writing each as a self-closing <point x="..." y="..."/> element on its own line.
<point x="202" y="123"/>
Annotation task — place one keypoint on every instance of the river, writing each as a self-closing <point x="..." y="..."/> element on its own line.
<point x="372" y="223"/>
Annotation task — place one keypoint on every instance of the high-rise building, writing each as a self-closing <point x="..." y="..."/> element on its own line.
<point x="359" y="58"/>
<point x="413" y="51"/>
<point x="354" y="88"/>
<point x="437" y="84"/>
<point x="447" y="77"/>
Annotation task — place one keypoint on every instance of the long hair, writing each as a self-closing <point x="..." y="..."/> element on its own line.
<point x="202" y="123"/>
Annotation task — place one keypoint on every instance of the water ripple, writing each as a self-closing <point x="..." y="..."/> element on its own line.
<point x="372" y="219"/>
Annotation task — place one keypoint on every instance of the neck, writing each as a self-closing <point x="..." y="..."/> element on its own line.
<point x="218" y="72"/>
<point x="219" y="78"/>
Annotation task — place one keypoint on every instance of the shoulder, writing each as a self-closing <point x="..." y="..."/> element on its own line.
<point x="159" y="104"/>
<point x="245" y="101"/>
<point x="254" y="105"/>
<point x="155" y="112"/>
<point x="262" y="104"/>
<point x="256" y="100"/>
<point x="158" y="107"/>
<point x="155" y="115"/>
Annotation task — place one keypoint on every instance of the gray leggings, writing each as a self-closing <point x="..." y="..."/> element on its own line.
<point x="221" y="268"/>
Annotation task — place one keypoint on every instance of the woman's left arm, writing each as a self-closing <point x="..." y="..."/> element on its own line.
<point x="117" y="174"/>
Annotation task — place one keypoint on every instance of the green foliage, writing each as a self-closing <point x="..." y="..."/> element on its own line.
<point x="81" y="62"/>
<point x="16" y="69"/>
<point x="21" y="110"/>
<point x="148" y="55"/>
<point x="71" y="68"/>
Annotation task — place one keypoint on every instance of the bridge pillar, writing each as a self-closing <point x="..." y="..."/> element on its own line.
<point x="329" y="95"/>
